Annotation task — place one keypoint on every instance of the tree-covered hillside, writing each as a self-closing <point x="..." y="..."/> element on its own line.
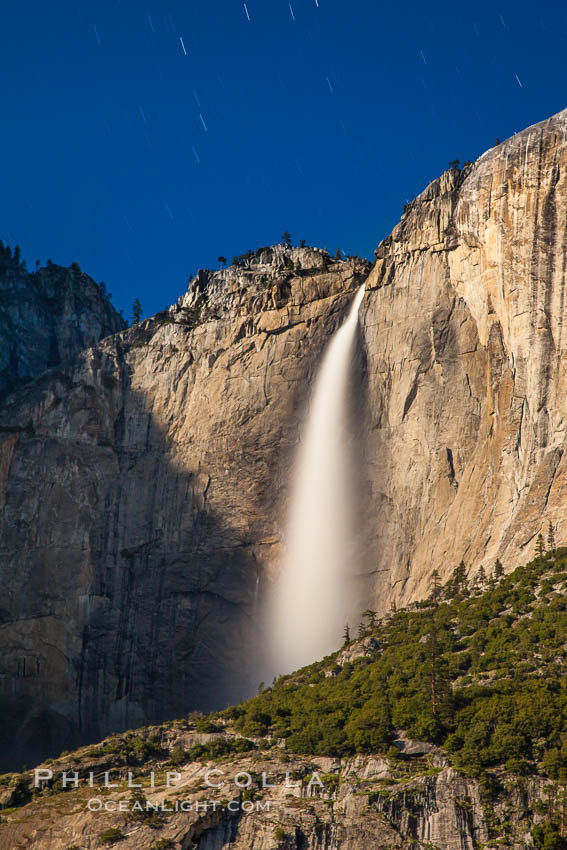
<point x="478" y="669"/>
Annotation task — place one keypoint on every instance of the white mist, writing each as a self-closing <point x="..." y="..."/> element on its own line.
<point x="314" y="598"/>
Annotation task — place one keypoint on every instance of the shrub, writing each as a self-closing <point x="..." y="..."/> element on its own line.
<point x="546" y="836"/>
<point x="205" y="724"/>
<point x="112" y="835"/>
<point x="178" y="756"/>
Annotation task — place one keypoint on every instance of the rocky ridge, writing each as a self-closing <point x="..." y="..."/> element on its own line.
<point x="47" y="318"/>
<point x="414" y="802"/>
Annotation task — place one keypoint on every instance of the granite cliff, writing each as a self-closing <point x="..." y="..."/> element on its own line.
<point x="467" y="359"/>
<point x="141" y="510"/>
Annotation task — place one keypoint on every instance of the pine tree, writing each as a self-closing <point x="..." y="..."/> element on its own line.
<point x="498" y="569"/>
<point x="386" y="708"/>
<point x="550" y="537"/>
<point x="222" y="261"/>
<point x="346" y="635"/>
<point x="481" y="575"/>
<point x="540" y="546"/>
<point x="302" y="243"/>
<point x="439" y="687"/>
<point x="137" y="311"/>
<point x="435" y="585"/>
<point x="361" y="629"/>
<point x="461" y="575"/>
<point x="286" y="238"/>
<point x="458" y="582"/>
<point x="325" y="264"/>
<point x="370" y="615"/>
<point x="338" y="255"/>
<point x="17" y="255"/>
<point x="433" y="673"/>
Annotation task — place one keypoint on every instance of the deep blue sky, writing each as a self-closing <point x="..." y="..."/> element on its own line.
<point x="323" y="125"/>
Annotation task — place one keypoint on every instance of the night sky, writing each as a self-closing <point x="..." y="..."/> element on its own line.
<point x="145" y="139"/>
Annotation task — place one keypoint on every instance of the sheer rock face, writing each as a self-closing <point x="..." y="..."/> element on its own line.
<point x="467" y="364"/>
<point x="46" y="318"/>
<point x="141" y="513"/>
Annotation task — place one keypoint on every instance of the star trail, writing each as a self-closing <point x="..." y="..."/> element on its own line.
<point x="145" y="141"/>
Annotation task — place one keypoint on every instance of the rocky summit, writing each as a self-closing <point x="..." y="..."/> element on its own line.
<point x="143" y="480"/>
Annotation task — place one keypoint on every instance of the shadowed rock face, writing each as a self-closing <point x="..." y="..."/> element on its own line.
<point x="46" y="318"/>
<point x="141" y="513"/>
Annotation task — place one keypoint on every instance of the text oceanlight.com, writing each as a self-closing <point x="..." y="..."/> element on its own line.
<point x="97" y="804"/>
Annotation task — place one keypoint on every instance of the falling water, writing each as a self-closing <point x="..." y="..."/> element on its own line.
<point x="313" y="597"/>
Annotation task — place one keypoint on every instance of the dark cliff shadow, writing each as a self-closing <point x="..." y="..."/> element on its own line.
<point x="128" y="600"/>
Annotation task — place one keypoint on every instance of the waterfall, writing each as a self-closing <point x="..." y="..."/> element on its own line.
<point x="313" y="597"/>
